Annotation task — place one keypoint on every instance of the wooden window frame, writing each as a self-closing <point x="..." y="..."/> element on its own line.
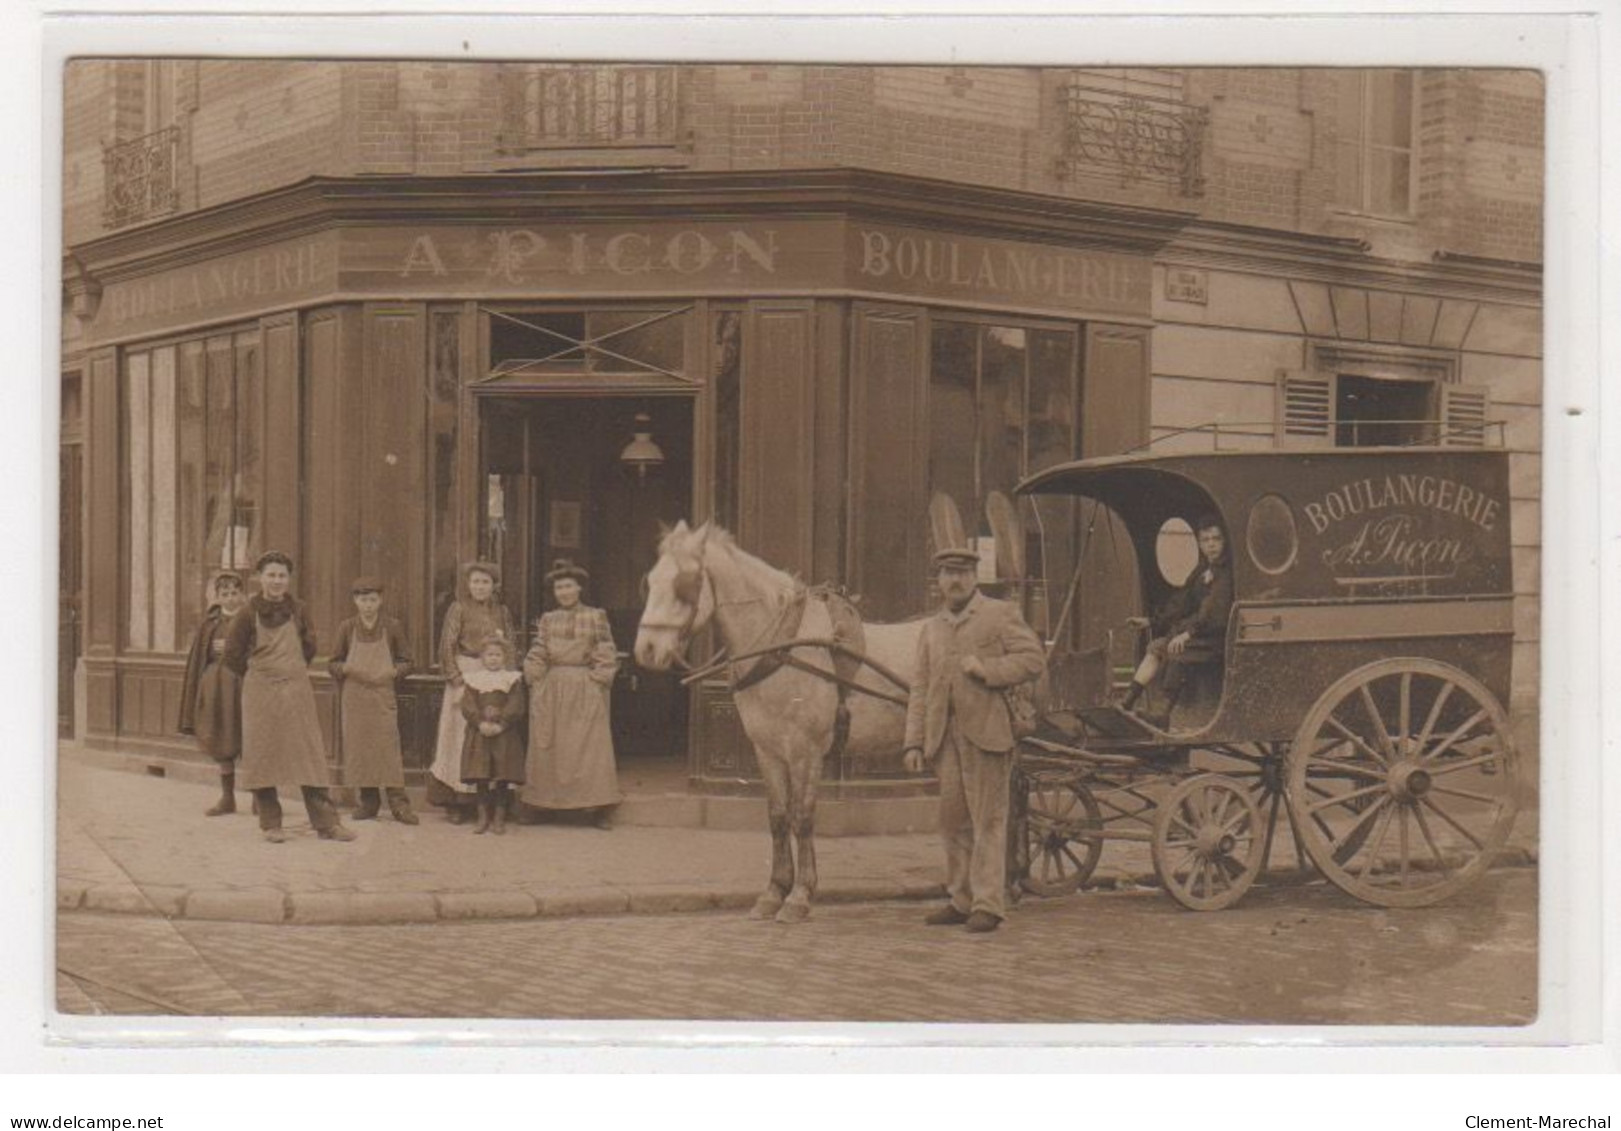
<point x="1366" y="147"/>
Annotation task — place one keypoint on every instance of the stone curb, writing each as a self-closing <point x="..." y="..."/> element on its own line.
<point x="269" y="905"/>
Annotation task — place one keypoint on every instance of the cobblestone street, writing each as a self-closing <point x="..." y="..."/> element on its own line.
<point x="1304" y="955"/>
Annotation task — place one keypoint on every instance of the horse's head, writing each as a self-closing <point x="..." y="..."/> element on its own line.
<point x="680" y="599"/>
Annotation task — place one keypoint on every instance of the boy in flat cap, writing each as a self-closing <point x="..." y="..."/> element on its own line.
<point x="970" y="653"/>
<point x="370" y="656"/>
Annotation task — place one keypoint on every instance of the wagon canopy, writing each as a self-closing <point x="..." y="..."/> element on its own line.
<point x="1348" y="523"/>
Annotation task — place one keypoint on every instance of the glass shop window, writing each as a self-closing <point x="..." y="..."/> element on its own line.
<point x="193" y="443"/>
<point x="1002" y="405"/>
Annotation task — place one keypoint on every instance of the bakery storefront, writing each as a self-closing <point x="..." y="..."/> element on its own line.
<point x="390" y="378"/>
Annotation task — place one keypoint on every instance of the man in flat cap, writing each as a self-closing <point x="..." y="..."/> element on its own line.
<point x="970" y="653"/>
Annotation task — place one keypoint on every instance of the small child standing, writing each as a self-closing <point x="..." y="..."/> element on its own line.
<point x="370" y="656"/>
<point x="493" y="703"/>
<point x="211" y="697"/>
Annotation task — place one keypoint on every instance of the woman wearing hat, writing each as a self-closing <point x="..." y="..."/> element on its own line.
<point x="211" y="696"/>
<point x="570" y="668"/>
<point x="471" y="618"/>
<point x="270" y="644"/>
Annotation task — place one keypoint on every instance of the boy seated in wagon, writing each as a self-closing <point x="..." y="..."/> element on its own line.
<point x="1190" y="628"/>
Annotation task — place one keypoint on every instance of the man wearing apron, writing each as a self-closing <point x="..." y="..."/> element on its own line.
<point x="270" y="645"/>
<point x="370" y="656"/>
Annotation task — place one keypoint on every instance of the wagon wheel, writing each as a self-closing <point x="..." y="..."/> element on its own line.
<point x="1405" y="781"/>
<point x="1207" y="842"/>
<point x="1063" y="833"/>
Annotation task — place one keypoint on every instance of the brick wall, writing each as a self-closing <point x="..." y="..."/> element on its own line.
<point x="86" y="111"/>
<point x="258" y="125"/>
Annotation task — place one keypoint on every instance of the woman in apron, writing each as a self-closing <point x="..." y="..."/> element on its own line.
<point x="473" y="616"/>
<point x="270" y="644"/>
<point x="570" y="668"/>
<point x="370" y="657"/>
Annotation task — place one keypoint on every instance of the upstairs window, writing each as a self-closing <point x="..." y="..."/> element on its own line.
<point x="567" y="107"/>
<point x="1375" y="142"/>
<point x="1360" y="397"/>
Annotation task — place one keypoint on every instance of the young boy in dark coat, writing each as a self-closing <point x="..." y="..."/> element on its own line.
<point x="1191" y="628"/>
<point x="211" y="696"/>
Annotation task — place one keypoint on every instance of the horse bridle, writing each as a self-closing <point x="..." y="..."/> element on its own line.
<point x="690" y="593"/>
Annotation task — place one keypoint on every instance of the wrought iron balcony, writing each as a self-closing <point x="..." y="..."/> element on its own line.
<point x="1133" y="137"/>
<point x="142" y="178"/>
<point x="607" y="107"/>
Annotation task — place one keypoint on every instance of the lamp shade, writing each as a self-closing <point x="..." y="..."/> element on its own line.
<point x="642" y="453"/>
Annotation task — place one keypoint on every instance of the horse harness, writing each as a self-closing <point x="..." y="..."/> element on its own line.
<point x="846" y="647"/>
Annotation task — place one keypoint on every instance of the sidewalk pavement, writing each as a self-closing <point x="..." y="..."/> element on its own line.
<point x="136" y="844"/>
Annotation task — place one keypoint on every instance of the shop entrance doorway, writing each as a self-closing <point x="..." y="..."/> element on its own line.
<point x="559" y="482"/>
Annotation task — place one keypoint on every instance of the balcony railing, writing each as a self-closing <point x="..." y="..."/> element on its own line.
<point x="609" y="107"/>
<point x="1133" y="137"/>
<point x="142" y="178"/>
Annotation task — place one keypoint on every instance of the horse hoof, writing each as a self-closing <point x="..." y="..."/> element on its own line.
<point x="793" y="912"/>
<point x="766" y="907"/>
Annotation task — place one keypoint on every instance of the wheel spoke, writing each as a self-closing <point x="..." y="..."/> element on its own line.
<point x="1237" y="820"/>
<point x="1378" y="722"/>
<point x="1404" y="725"/>
<point x="1346" y="798"/>
<point x="1469" y="724"/>
<point x="1349" y="769"/>
<point x="1379" y="806"/>
<point x="1358" y="741"/>
<point x="1481" y="797"/>
<point x="1424" y="830"/>
<point x="1441" y="698"/>
<point x="1447" y="817"/>
<point x="1376" y="842"/>
<point x="1454" y="767"/>
<point x="1401" y="840"/>
<point x="1271" y="830"/>
<point x="1073" y="859"/>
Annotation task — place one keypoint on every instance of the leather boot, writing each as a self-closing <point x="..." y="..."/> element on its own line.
<point x="227" y="802"/>
<point x="369" y="804"/>
<point x="401" y="808"/>
<point x="499" y="825"/>
<point x="486" y="818"/>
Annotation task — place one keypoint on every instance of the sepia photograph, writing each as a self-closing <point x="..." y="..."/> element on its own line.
<point x="794" y="542"/>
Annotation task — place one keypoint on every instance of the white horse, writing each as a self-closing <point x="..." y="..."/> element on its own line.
<point x="789" y="715"/>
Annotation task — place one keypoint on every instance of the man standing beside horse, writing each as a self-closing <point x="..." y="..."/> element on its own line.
<point x="971" y="653"/>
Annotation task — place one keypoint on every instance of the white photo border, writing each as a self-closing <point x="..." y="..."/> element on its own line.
<point x="1575" y="675"/>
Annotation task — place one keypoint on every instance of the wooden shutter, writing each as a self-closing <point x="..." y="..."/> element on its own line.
<point x="888" y="460"/>
<point x="1305" y="409"/>
<point x="1464" y="409"/>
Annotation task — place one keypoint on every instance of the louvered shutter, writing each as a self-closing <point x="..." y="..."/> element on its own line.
<point x="1305" y="409"/>
<point x="1464" y="409"/>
